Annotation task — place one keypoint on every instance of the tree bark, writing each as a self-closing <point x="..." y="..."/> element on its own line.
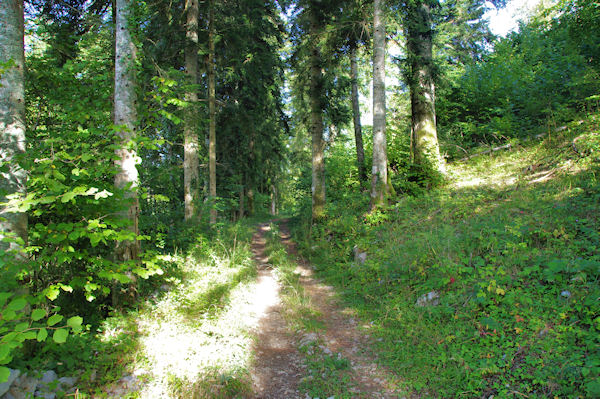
<point x="12" y="120"/>
<point x="212" y="137"/>
<point x="424" y="143"/>
<point x="125" y="117"/>
<point x="273" y="200"/>
<point x="360" y="152"/>
<point x="191" y="161"/>
<point x="379" y="178"/>
<point x="316" y="118"/>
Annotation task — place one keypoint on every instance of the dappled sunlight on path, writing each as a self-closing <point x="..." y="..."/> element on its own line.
<point x="278" y="366"/>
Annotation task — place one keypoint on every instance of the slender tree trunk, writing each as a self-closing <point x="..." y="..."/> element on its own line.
<point x="424" y="143"/>
<point x="190" y="132"/>
<point x="125" y="117"/>
<point x="316" y="118"/>
<point x="212" y="136"/>
<point x="273" y="200"/>
<point x="250" y="194"/>
<point x="13" y="180"/>
<point x="241" y="210"/>
<point x="360" y="152"/>
<point x="379" y="178"/>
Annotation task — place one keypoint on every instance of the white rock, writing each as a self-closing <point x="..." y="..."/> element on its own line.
<point x="432" y="298"/>
<point x="360" y="256"/>
<point x="5" y="386"/>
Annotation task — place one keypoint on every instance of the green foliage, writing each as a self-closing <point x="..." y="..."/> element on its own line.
<point x="534" y="81"/>
<point x="516" y="268"/>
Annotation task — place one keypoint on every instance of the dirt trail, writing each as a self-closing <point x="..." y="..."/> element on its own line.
<point x="279" y="367"/>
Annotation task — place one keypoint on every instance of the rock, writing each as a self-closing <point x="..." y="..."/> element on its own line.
<point x="128" y="382"/>
<point x="45" y="395"/>
<point x="360" y="256"/>
<point x="432" y="298"/>
<point x="49" y="377"/>
<point x="67" y="382"/>
<point x="23" y="387"/>
<point x="5" y="386"/>
<point x="565" y="294"/>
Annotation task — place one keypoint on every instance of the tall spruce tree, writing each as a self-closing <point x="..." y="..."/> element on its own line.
<point x="379" y="178"/>
<point x="419" y="43"/>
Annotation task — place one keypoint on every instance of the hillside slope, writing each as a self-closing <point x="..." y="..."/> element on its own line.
<point x="508" y="254"/>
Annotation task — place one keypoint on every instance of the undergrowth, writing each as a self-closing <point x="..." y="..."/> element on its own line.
<point x="511" y="247"/>
<point x="186" y="338"/>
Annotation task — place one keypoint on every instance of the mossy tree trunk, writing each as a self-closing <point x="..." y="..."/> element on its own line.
<point x="190" y="131"/>
<point x="316" y="121"/>
<point x="13" y="179"/>
<point x="424" y="143"/>
<point x="379" y="178"/>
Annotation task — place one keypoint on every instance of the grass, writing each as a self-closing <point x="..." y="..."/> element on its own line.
<point x="187" y="340"/>
<point x="511" y="245"/>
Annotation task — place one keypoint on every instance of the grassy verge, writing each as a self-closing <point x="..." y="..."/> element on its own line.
<point x="184" y="340"/>
<point x="511" y="248"/>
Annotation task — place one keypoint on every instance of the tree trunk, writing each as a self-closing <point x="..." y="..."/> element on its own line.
<point x="379" y="178"/>
<point x="424" y="143"/>
<point x="12" y="119"/>
<point x="241" y="210"/>
<point x="212" y="137"/>
<point x="191" y="161"/>
<point x="360" y="152"/>
<point x="316" y="118"/>
<point x="125" y="118"/>
<point x="273" y="200"/>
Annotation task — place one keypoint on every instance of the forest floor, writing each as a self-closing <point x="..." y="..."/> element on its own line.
<point x="324" y="345"/>
<point x="247" y="320"/>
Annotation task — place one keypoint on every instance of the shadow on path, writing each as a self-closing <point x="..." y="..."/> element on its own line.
<point x="278" y="367"/>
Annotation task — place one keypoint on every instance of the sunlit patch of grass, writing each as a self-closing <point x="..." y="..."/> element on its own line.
<point x="194" y="338"/>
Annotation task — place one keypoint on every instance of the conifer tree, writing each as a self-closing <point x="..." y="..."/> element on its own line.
<point x="379" y="178"/>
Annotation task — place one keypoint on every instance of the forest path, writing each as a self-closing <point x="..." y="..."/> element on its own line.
<point x="280" y="367"/>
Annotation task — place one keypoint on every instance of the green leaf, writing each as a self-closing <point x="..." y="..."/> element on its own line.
<point x="68" y="196"/>
<point x="52" y="292"/>
<point x="4" y="353"/>
<point x="17" y="304"/>
<point x="42" y="335"/>
<point x="60" y="336"/>
<point x="30" y="335"/>
<point x="75" y="323"/>
<point x="21" y="327"/>
<point x="52" y="320"/>
<point x="4" y="374"/>
<point x="38" y="314"/>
